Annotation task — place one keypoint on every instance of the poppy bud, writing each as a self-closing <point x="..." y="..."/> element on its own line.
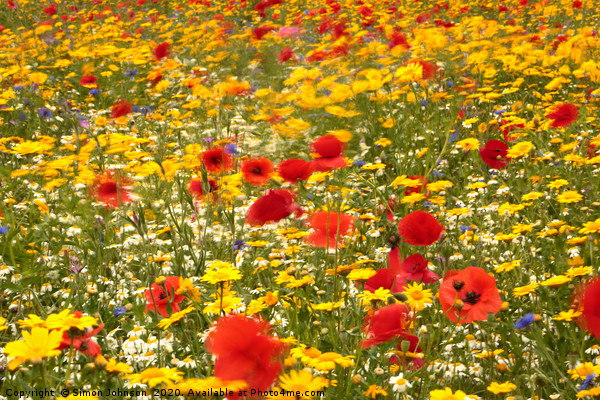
<point x="405" y="346"/>
<point x="394" y="239"/>
<point x="401" y="296"/>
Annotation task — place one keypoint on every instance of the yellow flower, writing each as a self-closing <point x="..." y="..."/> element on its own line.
<point x="583" y="370"/>
<point x="525" y="290"/>
<point x="458" y="211"/>
<point x="498" y="388"/>
<point x="372" y="167"/>
<point x="556" y="281"/>
<point x="114" y="367"/>
<point x="65" y="320"/>
<point x="510" y="209"/>
<point x="156" y="376"/>
<point x="508" y="266"/>
<point x="578" y="271"/>
<point x="223" y="272"/>
<point x="591" y="227"/>
<point x="305" y="354"/>
<point x="413" y="198"/>
<point x="32" y="321"/>
<point x="302" y="381"/>
<point x="446" y="394"/>
<point x="35" y="346"/>
<point x="225" y="304"/>
<point x="361" y="274"/>
<point x="468" y="144"/>
<point x="570" y="196"/>
<point x="593" y="392"/>
<point x="405" y="181"/>
<point x="165" y="323"/>
<point x="2" y="324"/>
<point x="380" y="294"/>
<point x="383" y="142"/>
<point x="30" y="147"/>
<point x="531" y="196"/>
<point x="438" y="186"/>
<point x="519" y="150"/>
<point x="327" y="361"/>
<point x="186" y="287"/>
<point x="329" y="306"/>
<point x="418" y="298"/>
<point x="373" y="391"/>
<point x="557" y="183"/>
<point x="567" y="315"/>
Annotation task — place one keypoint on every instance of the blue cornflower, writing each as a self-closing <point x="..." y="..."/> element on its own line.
<point x="239" y="245"/>
<point x="45" y="113"/>
<point x="3" y="229"/>
<point x="587" y="381"/>
<point x="230" y="149"/>
<point x="119" y="311"/>
<point x="94" y="92"/>
<point x="525" y="321"/>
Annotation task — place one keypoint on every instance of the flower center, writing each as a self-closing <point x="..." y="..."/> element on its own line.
<point x="472" y="298"/>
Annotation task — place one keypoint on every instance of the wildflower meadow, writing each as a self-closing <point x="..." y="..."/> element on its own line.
<point x="299" y="199"/>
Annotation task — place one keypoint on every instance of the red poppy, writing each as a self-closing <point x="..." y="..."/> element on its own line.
<point x="329" y="149"/>
<point x="50" y="10"/>
<point x="494" y="154"/>
<point x="294" y="170"/>
<point x="388" y="278"/>
<point x="577" y="4"/>
<point x="120" y="108"/>
<point x="198" y="188"/>
<point x="112" y="189"/>
<point x="259" y="32"/>
<point x="89" y="81"/>
<point x="273" y="206"/>
<point x="329" y="227"/>
<point x="246" y="351"/>
<point x="398" y="39"/>
<point x="285" y="55"/>
<point x="257" y="171"/>
<point x="419" y="228"/>
<point x="385" y="324"/>
<point x="414" y="268"/>
<point x="162" y="297"/>
<point x="82" y="341"/>
<point x="217" y="160"/>
<point x="587" y="300"/>
<point x="592" y="150"/>
<point x="469" y="295"/>
<point x="563" y="115"/>
<point x="162" y="50"/>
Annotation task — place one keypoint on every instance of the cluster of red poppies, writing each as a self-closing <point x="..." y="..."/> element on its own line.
<point x="495" y="152"/>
